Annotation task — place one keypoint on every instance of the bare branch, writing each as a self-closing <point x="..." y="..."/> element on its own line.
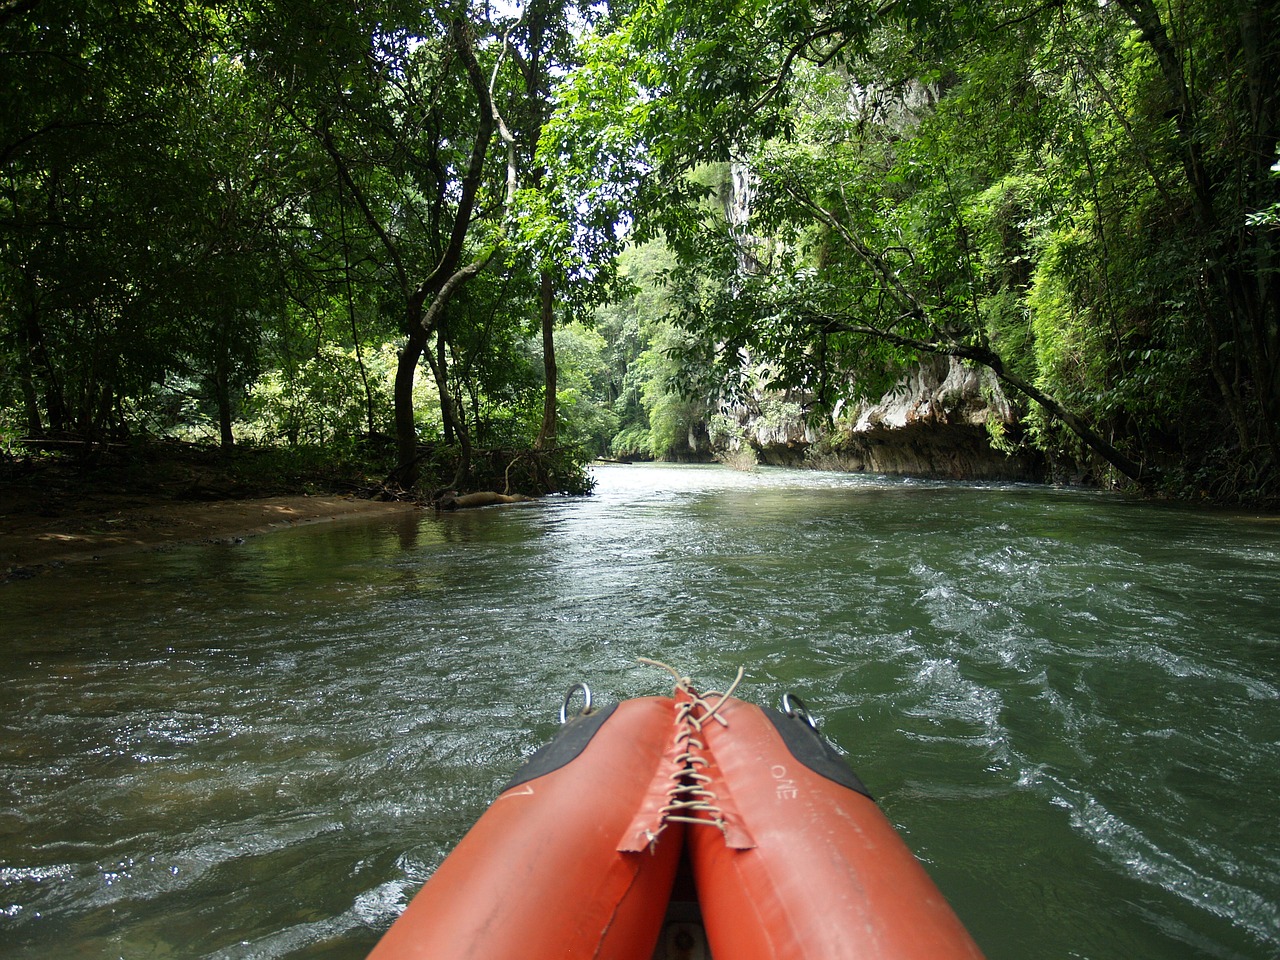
<point x="503" y="131"/>
<point x="989" y="359"/>
<point x="474" y="175"/>
<point x="792" y="55"/>
<point x="450" y="287"/>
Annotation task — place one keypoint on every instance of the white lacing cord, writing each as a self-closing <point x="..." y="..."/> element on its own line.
<point x="699" y="699"/>
<point x="713" y="712"/>
<point x="690" y="793"/>
<point x="690" y="799"/>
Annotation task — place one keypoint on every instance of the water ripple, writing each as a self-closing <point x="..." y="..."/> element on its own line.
<point x="1066" y="702"/>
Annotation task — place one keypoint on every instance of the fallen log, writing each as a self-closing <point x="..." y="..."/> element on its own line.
<point x="483" y="498"/>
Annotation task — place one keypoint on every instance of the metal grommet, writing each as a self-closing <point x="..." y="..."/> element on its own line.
<point x="793" y="706"/>
<point x="568" y="697"/>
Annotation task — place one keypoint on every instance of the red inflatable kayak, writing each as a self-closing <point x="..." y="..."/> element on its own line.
<point x="692" y="827"/>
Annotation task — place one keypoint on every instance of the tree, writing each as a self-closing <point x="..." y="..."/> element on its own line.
<point x="876" y="142"/>
<point x="395" y="97"/>
<point x="97" y="187"/>
<point x="193" y="195"/>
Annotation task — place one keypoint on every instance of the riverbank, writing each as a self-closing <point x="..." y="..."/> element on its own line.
<point x="32" y="538"/>
<point x="57" y="509"/>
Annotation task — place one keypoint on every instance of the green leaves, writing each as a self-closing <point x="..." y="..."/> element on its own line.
<point x="1081" y="194"/>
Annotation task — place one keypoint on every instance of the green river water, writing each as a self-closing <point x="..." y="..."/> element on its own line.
<point x="1068" y="703"/>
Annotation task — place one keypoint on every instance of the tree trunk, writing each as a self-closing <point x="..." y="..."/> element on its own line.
<point x="55" y="404"/>
<point x="221" y="384"/>
<point x="225" y="435"/>
<point x="406" y="430"/>
<point x="547" y="435"/>
<point x="1093" y="440"/>
<point x="426" y="300"/>
<point x="450" y="411"/>
<point x="1247" y="290"/>
<point x="990" y="359"/>
<point x="441" y="371"/>
<point x="454" y="423"/>
<point x="30" y="398"/>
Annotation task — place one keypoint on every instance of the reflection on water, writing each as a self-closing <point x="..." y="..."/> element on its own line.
<point x="1067" y="702"/>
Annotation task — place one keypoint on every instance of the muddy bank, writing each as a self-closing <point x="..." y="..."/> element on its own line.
<point x="32" y="537"/>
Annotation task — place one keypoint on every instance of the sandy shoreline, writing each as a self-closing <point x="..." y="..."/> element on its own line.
<point x="29" y="541"/>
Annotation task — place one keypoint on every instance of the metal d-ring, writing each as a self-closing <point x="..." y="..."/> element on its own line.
<point x="586" y="702"/>
<point x="793" y="706"/>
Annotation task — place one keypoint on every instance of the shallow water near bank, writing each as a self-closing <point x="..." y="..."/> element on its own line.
<point x="1068" y="703"/>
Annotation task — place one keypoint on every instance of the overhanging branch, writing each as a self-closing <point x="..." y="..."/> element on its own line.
<point x="989" y="359"/>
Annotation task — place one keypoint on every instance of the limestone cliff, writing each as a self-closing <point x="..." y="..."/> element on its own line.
<point x="938" y="421"/>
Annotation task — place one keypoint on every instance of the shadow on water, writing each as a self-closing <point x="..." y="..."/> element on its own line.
<point x="1066" y="702"/>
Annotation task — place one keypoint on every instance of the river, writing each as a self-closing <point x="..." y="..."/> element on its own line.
<point x="1068" y="703"/>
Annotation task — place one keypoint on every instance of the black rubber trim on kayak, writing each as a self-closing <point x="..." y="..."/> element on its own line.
<point x="568" y="743"/>
<point x="808" y="746"/>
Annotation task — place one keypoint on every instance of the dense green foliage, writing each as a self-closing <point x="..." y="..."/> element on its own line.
<point x="1079" y="197"/>
<point x="259" y="220"/>
<point x="268" y="219"/>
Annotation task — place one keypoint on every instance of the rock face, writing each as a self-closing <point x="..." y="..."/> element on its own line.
<point x="934" y="423"/>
